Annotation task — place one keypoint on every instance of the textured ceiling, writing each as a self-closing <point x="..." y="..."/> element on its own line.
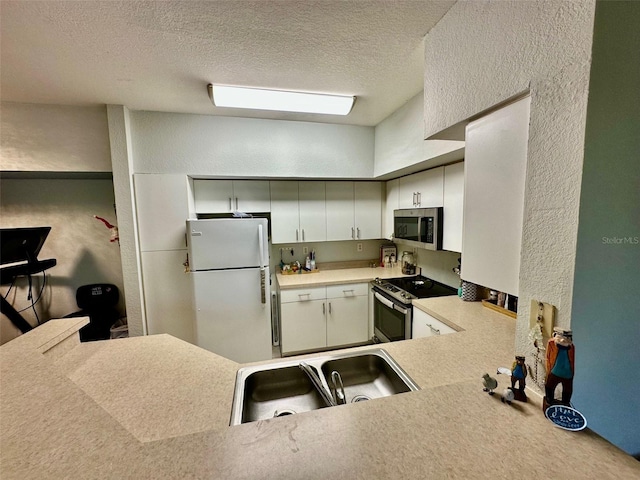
<point x="160" y="55"/>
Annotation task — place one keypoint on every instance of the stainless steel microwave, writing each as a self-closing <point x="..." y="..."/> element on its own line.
<point x="420" y="227"/>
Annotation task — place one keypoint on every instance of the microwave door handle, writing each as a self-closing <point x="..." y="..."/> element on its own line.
<point x="384" y="301"/>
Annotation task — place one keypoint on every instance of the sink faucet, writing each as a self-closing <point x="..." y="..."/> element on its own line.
<point x="317" y="383"/>
<point x="338" y="395"/>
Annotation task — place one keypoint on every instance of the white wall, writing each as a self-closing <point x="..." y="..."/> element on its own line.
<point x="482" y="53"/>
<point x="54" y="138"/>
<point x="249" y="147"/>
<point x="78" y="242"/>
<point x="399" y="141"/>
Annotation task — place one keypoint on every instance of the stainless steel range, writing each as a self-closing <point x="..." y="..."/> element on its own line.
<point x="392" y="305"/>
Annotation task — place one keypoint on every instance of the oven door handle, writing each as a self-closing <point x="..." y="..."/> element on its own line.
<point x="390" y="304"/>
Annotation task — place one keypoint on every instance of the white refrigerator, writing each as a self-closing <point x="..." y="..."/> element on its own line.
<point x="229" y="266"/>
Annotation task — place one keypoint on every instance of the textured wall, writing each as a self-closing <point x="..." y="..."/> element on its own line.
<point x="54" y="138"/>
<point x="606" y="311"/>
<point x="79" y="242"/>
<point x="229" y="146"/>
<point x="484" y="52"/>
<point x="399" y="139"/>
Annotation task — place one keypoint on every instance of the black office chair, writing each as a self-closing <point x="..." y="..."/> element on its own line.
<point x="97" y="301"/>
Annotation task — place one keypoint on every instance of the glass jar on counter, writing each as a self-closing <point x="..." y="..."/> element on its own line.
<point x="408" y="263"/>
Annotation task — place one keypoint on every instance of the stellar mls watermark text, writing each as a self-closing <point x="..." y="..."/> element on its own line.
<point x="620" y="240"/>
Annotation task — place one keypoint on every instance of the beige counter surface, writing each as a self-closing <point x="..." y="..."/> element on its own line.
<point x="336" y="277"/>
<point x="157" y="407"/>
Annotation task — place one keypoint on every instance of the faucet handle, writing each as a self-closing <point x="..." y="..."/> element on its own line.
<point x="338" y="395"/>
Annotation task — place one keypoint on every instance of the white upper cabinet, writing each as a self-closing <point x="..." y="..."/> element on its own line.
<point x="313" y="214"/>
<point x="494" y="175"/>
<point x="162" y="206"/>
<point x="340" y="204"/>
<point x="251" y="196"/>
<point x="298" y="212"/>
<point x="225" y="196"/>
<point x="391" y="204"/>
<point x="285" y="213"/>
<point x="453" y="207"/>
<point x="368" y="210"/>
<point x="354" y="210"/>
<point x="422" y="190"/>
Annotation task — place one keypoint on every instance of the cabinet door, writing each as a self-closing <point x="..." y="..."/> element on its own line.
<point x="453" y="204"/>
<point x="423" y="189"/>
<point x="391" y="204"/>
<point x="340" y="204"/>
<point x="347" y="320"/>
<point x="213" y="196"/>
<point x="251" y="196"/>
<point x="285" y="218"/>
<point x="162" y="206"/>
<point x="495" y="168"/>
<point x="408" y="191"/>
<point x="368" y="210"/>
<point x="430" y="188"/>
<point x="424" y="325"/>
<point x="303" y="326"/>
<point x="313" y="213"/>
<point x="168" y="294"/>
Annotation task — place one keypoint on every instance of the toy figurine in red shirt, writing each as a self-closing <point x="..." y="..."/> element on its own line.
<point x="560" y="367"/>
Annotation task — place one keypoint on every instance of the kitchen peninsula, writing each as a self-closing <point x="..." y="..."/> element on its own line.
<point x="158" y="407"/>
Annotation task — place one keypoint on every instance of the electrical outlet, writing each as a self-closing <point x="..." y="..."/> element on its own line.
<point x="305" y="250"/>
<point x="547" y="313"/>
<point x="358" y="247"/>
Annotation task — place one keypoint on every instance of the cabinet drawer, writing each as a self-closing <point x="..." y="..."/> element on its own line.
<point x="303" y="294"/>
<point x="424" y="325"/>
<point x="347" y="290"/>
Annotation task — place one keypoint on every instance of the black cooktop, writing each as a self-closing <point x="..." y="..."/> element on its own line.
<point x="422" y="287"/>
<point x="404" y="289"/>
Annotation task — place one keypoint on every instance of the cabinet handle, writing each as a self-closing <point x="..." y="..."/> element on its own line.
<point x="303" y="234"/>
<point x="419" y="198"/>
<point x="358" y="234"/>
<point x="353" y="234"/>
<point x="304" y="295"/>
<point x="296" y="234"/>
<point x="347" y="291"/>
<point x="329" y="308"/>
<point x="236" y="203"/>
<point x="323" y="310"/>
<point x="434" y="330"/>
<point x="230" y="204"/>
<point x="414" y="199"/>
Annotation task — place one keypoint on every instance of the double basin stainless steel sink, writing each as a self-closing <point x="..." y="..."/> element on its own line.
<point x="285" y="388"/>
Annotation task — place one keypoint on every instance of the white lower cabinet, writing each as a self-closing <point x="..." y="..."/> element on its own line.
<point x="303" y="325"/>
<point x="348" y="314"/>
<point x="424" y="325"/>
<point x="319" y="317"/>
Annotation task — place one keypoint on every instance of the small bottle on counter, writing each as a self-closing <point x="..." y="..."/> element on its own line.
<point x="307" y="263"/>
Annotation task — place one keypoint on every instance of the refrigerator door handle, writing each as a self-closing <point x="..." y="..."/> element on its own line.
<point x="263" y="291"/>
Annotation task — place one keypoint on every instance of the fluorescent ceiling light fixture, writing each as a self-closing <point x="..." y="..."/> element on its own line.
<point x="279" y="100"/>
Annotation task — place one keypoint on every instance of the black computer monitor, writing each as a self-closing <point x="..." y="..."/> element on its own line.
<point x="21" y="244"/>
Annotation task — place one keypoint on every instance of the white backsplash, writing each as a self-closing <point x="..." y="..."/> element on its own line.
<point x="327" y="251"/>
<point x="436" y="265"/>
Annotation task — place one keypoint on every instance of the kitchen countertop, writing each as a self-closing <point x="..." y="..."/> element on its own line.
<point x="336" y="277"/>
<point x="157" y="407"/>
